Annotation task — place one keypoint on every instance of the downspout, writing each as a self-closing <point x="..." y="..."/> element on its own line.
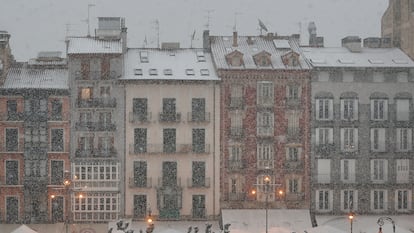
<point x="214" y="150"/>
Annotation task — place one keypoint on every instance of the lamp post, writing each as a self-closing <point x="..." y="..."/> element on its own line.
<point x="67" y="182"/>
<point x="267" y="185"/>
<point x="380" y="222"/>
<point x="351" y="218"/>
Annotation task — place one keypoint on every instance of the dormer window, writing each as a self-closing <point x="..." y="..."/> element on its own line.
<point x="167" y="71"/>
<point x="200" y="56"/>
<point x="204" y="72"/>
<point x="262" y="59"/>
<point x="138" y="71"/>
<point x="235" y="58"/>
<point x="153" y="72"/>
<point x="189" y="71"/>
<point x="144" y="56"/>
<point x="291" y="58"/>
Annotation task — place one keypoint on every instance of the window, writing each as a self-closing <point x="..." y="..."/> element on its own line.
<point x="235" y="156"/>
<point x="403" y="199"/>
<point x="323" y="136"/>
<point x="378" y="139"/>
<point x="85" y="117"/>
<point x="404" y="139"/>
<point x="144" y="56"/>
<point x="349" y="200"/>
<point x="12" y="137"/>
<point x="379" y="169"/>
<point x="105" y="207"/>
<point x="57" y="209"/>
<point x="140" y="206"/>
<point x="140" y="174"/>
<point x="403" y="170"/>
<point x="349" y="109"/>
<point x="105" y="91"/>
<point x="293" y="154"/>
<point x="137" y="71"/>
<point x="348" y="170"/>
<point x="198" y="174"/>
<point x="56" y="177"/>
<point x="349" y="139"/>
<point x="140" y="109"/>
<point x="293" y="185"/>
<point x="262" y="184"/>
<point x="236" y="96"/>
<point x="56" y="113"/>
<point x="323" y="200"/>
<point x="379" y="109"/>
<point x="105" y="120"/>
<point x="293" y="124"/>
<point x="200" y="56"/>
<point x="324" y="109"/>
<point x="378" y="200"/>
<point x="189" y="71"/>
<point x="168" y="72"/>
<point x="204" y="72"/>
<point x="140" y="140"/>
<point x="198" y="109"/>
<point x="236" y="121"/>
<point x="169" y="137"/>
<point x="324" y="171"/>
<point x="265" y="157"/>
<point x="293" y="92"/>
<point x="105" y="145"/>
<point x="403" y="109"/>
<point x="153" y="72"/>
<point x="85" y="143"/>
<point x="265" y="124"/>
<point x="168" y="109"/>
<point x="12" y="172"/>
<point x="199" y="206"/>
<point x="12" y="114"/>
<point x="169" y="173"/>
<point x="86" y="93"/>
<point x="12" y="209"/>
<point x="199" y="138"/>
<point x="57" y="142"/>
<point x="265" y="94"/>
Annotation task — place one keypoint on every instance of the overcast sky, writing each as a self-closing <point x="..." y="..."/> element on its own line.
<point x="41" y="25"/>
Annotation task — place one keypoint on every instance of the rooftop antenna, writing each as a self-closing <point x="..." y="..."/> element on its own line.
<point x="157" y="27"/>
<point x="235" y="20"/>
<point x="192" y="39"/>
<point x="262" y="27"/>
<point x="88" y="20"/>
<point x="145" y="42"/>
<point x="208" y="18"/>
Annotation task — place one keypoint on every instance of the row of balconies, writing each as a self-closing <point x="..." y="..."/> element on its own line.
<point x="169" y="117"/>
<point x="95" y="126"/>
<point x="96" y="152"/>
<point x="98" y="102"/>
<point x="239" y="102"/>
<point x="135" y="149"/>
<point x="328" y="149"/>
<point x="34" y="116"/>
<point x="293" y="134"/>
<point x="241" y="196"/>
<point x="95" y="75"/>
<point x="239" y="165"/>
<point x="147" y="183"/>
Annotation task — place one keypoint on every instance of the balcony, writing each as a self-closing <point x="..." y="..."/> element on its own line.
<point x="237" y="196"/>
<point x="95" y="126"/>
<point x="140" y="117"/>
<point x="325" y="149"/>
<point x="236" y="132"/>
<point x="294" y="135"/>
<point x="235" y="165"/>
<point x="236" y="103"/>
<point x="138" y="183"/>
<point x="265" y="131"/>
<point x="265" y="101"/>
<point x="96" y="153"/>
<point x="169" y="182"/>
<point x="293" y="165"/>
<point x="265" y="164"/>
<point x="36" y="116"/>
<point x="198" y="183"/>
<point x="136" y="149"/>
<point x="199" y="213"/>
<point x="199" y="117"/>
<point x="295" y="196"/>
<point x="63" y="116"/>
<point x="10" y="181"/>
<point x="12" y="116"/>
<point x="169" y="117"/>
<point x="95" y="75"/>
<point x="86" y="185"/>
<point x="103" y="102"/>
<point x="293" y="102"/>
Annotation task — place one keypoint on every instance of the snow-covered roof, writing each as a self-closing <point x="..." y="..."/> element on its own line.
<point x="167" y="64"/>
<point x="89" y="45"/>
<point x="22" y="77"/>
<point x="252" y="45"/>
<point x="368" y="57"/>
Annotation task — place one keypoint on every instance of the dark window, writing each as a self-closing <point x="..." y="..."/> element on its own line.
<point x="199" y="174"/>
<point x="12" y="137"/>
<point x="57" y="209"/>
<point x="199" y="206"/>
<point x="56" y="113"/>
<point x="12" y="172"/>
<point x="168" y="109"/>
<point x="140" y="173"/>
<point x="199" y="140"/>
<point x="57" y="139"/>
<point x="56" y="172"/>
<point x="140" y="108"/>
<point x="105" y="120"/>
<point x="12" y="209"/>
<point x="198" y="107"/>
<point x="12" y="110"/>
<point x="169" y="174"/>
<point x="140" y="206"/>
<point x="169" y="137"/>
<point x="140" y="140"/>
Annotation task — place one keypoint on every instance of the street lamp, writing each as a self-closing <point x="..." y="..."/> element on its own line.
<point x="351" y="218"/>
<point x="150" y="223"/>
<point x="380" y="222"/>
<point x="267" y="185"/>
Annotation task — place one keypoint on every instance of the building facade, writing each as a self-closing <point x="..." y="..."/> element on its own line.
<point x="264" y="105"/>
<point x="362" y="120"/>
<point x="172" y="134"/>
<point x="95" y="64"/>
<point x="398" y="24"/>
<point x="34" y="101"/>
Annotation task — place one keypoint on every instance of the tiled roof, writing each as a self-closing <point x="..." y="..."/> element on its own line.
<point x="163" y="64"/>
<point x="22" y="77"/>
<point x="250" y="46"/>
<point x="368" y="57"/>
<point x="88" y="45"/>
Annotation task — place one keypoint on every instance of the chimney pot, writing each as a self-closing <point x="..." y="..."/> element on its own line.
<point x="235" y="39"/>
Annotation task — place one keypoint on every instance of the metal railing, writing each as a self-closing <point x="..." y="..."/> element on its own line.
<point x="136" y="149"/>
<point x="198" y="183"/>
<point x="138" y="183"/>
<point x="198" y="116"/>
<point x="169" y="117"/>
<point x="139" y="117"/>
<point x="99" y="102"/>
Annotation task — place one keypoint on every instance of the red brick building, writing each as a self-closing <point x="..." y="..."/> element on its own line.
<point x="265" y="110"/>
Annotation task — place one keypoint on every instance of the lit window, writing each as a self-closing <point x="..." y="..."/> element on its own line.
<point x="86" y="93"/>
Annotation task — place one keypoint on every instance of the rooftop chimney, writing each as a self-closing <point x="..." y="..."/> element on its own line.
<point x="235" y="39"/>
<point x="352" y="43"/>
<point x="206" y="39"/>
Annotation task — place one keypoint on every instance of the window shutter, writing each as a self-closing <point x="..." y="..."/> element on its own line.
<point x="372" y="109"/>
<point x="317" y="106"/>
<point x="330" y="101"/>
<point x="342" y="138"/>
<point x="381" y="136"/>
<point x="409" y="138"/>
<point x="385" y="109"/>
<point x="356" y="109"/>
<point x="317" y="136"/>
<point x="351" y="164"/>
<point x="356" y="139"/>
<point x="342" y="109"/>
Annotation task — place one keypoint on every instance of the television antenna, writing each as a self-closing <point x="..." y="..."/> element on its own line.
<point x="208" y="18"/>
<point x="157" y="28"/>
<point x="235" y="20"/>
<point x="262" y="27"/>
<point x="88" y="19"/>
